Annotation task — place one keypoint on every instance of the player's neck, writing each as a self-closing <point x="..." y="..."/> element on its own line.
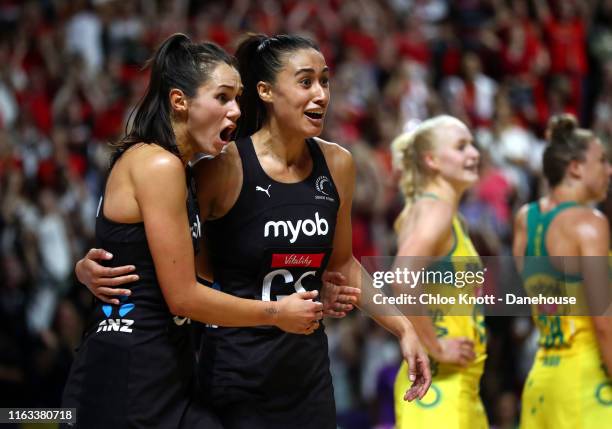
<point x="285" y="147"/>
<point x="185" y="148"/>
<point x="443" y="191"/>
<point x="568" y="191"/>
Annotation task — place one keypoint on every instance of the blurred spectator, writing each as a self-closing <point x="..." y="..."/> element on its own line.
<point x="602" y="117"/>
<point x="600" y="39"/>
<point x="471" y="96"/>
<point x="8" y="102"/>
<point x="565" y="31"/>
<point x="524" y="61"/>
<point x="408" y="89"/>
<point x="513" y="148"/>
<point x="84" y="35"/>
<point x="487" y="209"/>
<point x="368" y="200"/>
<point x="54" y="249"/>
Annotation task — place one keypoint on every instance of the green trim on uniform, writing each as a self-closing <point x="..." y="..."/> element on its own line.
<point x="537" y="228"/>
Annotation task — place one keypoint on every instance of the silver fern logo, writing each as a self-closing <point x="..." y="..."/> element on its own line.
<point x="320" y="184"/>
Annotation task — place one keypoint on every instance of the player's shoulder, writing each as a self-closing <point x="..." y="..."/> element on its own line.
<point x="153" y="161"/>
<point x="589" y="227"/>
<point x="583" y="216"/>
<point x="331" y="148"/>
<point x="433" y="213"/>
<point x="520" y="218"/>
<point x="152" y="168"/>
<point x="337" y="157"/>
<point x="427" y="226"/>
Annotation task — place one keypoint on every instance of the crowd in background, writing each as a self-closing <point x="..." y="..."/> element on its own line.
<point x="70" y="73"/>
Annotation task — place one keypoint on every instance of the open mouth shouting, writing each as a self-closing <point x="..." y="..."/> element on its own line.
<point x="227" y="134"/>
<point x="316" y="115"/>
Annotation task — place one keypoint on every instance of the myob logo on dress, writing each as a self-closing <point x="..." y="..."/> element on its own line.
<point x="287" y="228"/>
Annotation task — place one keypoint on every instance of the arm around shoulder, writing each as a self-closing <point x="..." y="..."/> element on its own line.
<point x="161" y="194"/>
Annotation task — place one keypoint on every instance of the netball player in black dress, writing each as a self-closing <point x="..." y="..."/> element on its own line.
<point x="277" y="205"/>
<point x="134" y="366"/>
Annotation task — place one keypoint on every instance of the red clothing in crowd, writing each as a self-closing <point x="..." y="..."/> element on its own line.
<point x="521" y="62"/>
<point x="413" y="48"/>
<point x="567" y="45"/>
<point x="360" y="40"/>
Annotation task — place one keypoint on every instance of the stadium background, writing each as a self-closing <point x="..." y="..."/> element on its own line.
<point x="69" y="75"/>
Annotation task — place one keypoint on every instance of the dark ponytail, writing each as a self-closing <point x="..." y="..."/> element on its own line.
<point x="178" y="63"/>
<point x="566" y="143"/>
<point x="260" y="59"/>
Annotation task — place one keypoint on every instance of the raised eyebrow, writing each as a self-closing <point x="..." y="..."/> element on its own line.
<point x="310" y="70"/>
<point x="304" y="70"/>
<point x="239" y="90"/>
<point x="232" y="89"/>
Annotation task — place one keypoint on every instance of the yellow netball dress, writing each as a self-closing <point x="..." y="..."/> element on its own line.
<point x="567" y="386"/>
<point x="453" y="400"/>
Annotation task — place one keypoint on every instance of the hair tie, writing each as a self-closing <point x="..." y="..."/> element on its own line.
<point x="263" y="44"/>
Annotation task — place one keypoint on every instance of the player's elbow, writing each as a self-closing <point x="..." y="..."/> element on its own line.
<point x="179" y="303"/>
<point x="176" y="306"/>
<point x="340" y="263"/>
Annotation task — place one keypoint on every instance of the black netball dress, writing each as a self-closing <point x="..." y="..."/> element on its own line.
<point x="134" y="367"/>
<point x="275" y="240"/>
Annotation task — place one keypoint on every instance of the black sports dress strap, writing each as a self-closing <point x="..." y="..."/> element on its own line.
<point x="193" y="209"/>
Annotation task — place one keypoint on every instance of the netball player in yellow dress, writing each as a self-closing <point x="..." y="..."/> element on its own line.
<point x="569" y="384"/>
<point x="439" y="162"/>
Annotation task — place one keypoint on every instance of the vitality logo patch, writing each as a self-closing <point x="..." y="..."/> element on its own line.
<point x="306" y="260"/>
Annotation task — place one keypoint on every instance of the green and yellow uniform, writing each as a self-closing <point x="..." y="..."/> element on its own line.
<point x="453" y="400"/>
<point x="567" y="386"/>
